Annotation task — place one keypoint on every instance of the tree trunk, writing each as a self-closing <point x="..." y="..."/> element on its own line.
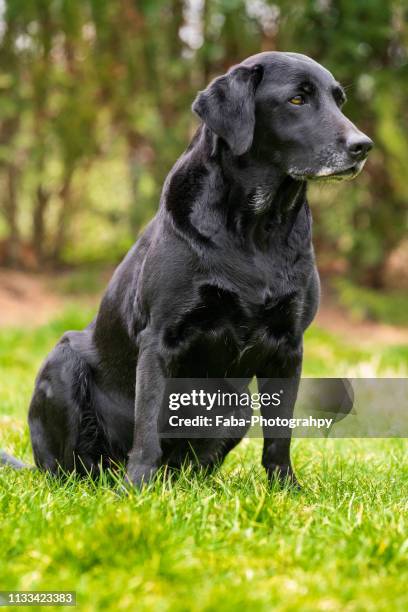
<point x="61" y="231"/>
<point x="40" y="207"/>
<point x="11" y="211"/>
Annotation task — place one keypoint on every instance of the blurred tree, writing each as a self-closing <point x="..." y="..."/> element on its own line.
<point x="10" y="118"/>
<point x="87" y="83"/>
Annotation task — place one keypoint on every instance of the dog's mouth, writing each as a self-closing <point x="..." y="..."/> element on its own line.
<point x="338" y="175"/>
<point x="327" y="174"/>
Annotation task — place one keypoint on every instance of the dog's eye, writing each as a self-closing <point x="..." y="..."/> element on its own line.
<point x="298" y="100"/>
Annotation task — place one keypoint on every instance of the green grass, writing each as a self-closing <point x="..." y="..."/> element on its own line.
<point x="225" y="542"/>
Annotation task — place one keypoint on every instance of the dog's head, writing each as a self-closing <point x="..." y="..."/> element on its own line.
<point x="285" y="108"/>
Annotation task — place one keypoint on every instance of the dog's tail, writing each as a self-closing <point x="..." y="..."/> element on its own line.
<point x="9" y="461"/>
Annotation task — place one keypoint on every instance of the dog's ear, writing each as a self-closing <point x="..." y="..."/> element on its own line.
<point x="227" y="106"/>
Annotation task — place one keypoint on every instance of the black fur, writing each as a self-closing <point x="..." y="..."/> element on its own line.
<point x="222" y="283"/>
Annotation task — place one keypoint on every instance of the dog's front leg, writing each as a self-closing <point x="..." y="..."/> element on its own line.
<point x="277" y="438"/>
<point x="146" y="453"/>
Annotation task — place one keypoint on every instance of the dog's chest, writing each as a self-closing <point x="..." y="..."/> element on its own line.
<point x="232" y="333"/>
<point x="248" y="312"/>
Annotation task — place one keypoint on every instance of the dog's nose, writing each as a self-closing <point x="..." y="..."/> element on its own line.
<point x="359" y="146"/>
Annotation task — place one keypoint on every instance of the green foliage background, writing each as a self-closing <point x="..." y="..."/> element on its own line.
<point x="95" y="100"/>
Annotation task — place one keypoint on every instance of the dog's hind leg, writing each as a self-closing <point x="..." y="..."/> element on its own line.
<point x="63" y="427"/>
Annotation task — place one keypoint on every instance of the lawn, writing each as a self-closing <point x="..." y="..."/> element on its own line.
<point x="226" y="542"/>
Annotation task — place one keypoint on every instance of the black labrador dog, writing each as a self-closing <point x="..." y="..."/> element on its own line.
<point x="222" y="283"/>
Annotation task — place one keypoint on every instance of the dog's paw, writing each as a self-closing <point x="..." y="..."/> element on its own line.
<point x="140" y="475"/>
<point x="282" y="474"/>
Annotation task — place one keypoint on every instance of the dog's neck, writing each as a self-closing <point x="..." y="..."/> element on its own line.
<point x="263" y="185"/>
<point x="245" y="194"/>
<point x="261" y="195"/>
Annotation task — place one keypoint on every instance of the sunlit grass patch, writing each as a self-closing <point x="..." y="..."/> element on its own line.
<point x="222" y="542"/>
